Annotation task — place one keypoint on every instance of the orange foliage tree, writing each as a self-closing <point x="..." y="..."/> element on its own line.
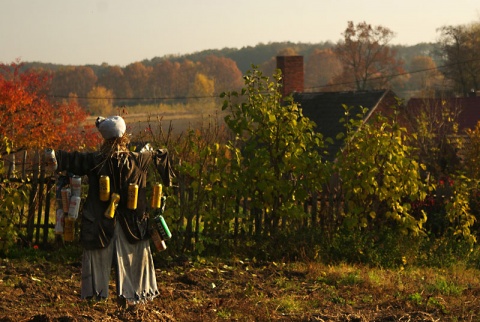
<point x="320" y="68"/>
<point x="31" y="120"/>
<point x="78" y="80"/>
<point x="223" y="71"/>
<point x="113" y="78"/>
<point x="428" y="79"/>
<point x="138" y="76"/>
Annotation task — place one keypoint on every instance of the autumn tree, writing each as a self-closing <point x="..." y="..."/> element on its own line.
<point x="367" y="59"/>
<point x="138" y="76"/>
<point x="100" y="101"/>
<point x="425" y="79"/>
<point x="73" y="79"/>
<point x="114" y="79"/>
<point x="223" y="71"/>
<point x="202" y="88"/>
<point x="172" y="79"/>
<point x="184" y="78"/>
<point x="320" y="68"/>
<point x="459" y="48"/>
<point x="163" y="79"/>
<point x="31" y="120"/>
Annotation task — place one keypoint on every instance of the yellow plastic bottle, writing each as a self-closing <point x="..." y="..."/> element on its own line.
<point x="110" y="212"/>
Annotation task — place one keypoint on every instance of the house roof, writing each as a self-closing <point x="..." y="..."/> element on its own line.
<point x="326" y="110"/>
<point x="468" y="107"/>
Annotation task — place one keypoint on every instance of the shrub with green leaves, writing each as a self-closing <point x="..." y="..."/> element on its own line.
<point x="380" y="179"/>
<point x="276" y="155"/>
<point x="12" y="200"/>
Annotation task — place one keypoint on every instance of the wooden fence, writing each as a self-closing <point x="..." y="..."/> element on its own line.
<point x="38" y="215"/>
<point x="34" y="219"/>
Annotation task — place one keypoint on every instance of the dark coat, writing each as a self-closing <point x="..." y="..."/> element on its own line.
<point x="123" y="168"/>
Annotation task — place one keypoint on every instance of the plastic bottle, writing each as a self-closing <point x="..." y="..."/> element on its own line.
<point x="66" y="195"/>
<point x="104" y="186"/>
<point x="76" y="186"/>
<point x="162" y="227"/>
<point x="110" y="212"/>
<point x="157" y="240"/>
<point x="59" y="222"/>
<point x="156" y="196"/>
<point x="69" y="229"/>
<point x="132" y="196"/>
<point x="74" y="207"/>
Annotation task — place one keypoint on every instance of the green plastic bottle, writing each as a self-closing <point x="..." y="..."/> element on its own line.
<point x="160" y="222"/>
<point x="163" y="227"/>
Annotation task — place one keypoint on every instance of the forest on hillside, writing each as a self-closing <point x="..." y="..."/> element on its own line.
<point x="174" y="79"/>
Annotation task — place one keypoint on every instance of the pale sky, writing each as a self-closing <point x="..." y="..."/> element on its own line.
<point x="120" y="32"/>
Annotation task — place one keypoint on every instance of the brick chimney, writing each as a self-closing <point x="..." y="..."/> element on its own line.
<point x="292" y="74"/>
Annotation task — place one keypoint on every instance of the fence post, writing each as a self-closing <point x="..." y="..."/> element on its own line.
<point x="40" y="198"/>
<point x="46" y="217"/>
<point x="32" y="200"/>
<point x="39" y="211"/>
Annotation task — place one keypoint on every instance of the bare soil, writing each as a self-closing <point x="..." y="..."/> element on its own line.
<point x="47" y="289"/>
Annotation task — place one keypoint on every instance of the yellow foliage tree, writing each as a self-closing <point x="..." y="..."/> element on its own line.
<point x="202" y="88"/>
<point x="100" y="101"/>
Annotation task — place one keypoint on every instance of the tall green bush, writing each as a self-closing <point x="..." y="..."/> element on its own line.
<point x="380" y="179"/>
<point x="276" y="156"/>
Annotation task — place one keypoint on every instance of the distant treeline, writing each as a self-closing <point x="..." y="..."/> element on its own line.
<point x="176" y="78"/>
